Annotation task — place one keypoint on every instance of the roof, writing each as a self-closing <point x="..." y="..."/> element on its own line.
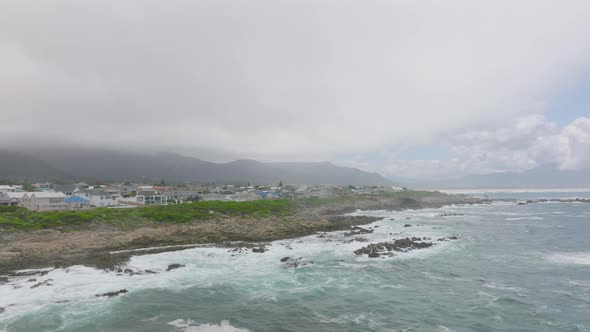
<point x="18" y="195"/>
<point x="95" y="192"/>
<point x="46" y="194"/>
<point x="64" y="187"/>
<point x="76" y="199"/>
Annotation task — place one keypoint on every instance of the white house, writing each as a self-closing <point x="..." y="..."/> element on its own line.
<point x="99" y="198"/>
<point x="7" y="200"/>
<point x="8" y="188"/>
<point x="44" y="201"/>
<point x="16" y="196"/>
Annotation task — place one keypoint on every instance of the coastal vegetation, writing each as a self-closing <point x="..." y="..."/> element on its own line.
<point x="18" y="218"/>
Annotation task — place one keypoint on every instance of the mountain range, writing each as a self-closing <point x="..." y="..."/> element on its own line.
<point x="545" y="177"/>
<point x="118" y="165"/>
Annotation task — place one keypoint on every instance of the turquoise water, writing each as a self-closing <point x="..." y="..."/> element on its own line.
<point x="514" y="268"/>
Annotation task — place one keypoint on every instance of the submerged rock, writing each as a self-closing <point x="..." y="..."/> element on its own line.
<point x="450" y="214"/>
<point x="357" y="239"/>
<point x="447" y="239"/>
<point x="29" y="273"/>
<point x="112" y="294"/>
<point x="3" y="280"/>
<point x="42" y="283"/>
<point x="355" y="230"/>
<point x="259" y="250"/>
<point x="2" y="310"/>
<point x="401" y="245"/>
<point x="295" y="262"/>
<point x="174" y="267"/>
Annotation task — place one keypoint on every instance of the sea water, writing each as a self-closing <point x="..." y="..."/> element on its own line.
<point x="513" y="268"/>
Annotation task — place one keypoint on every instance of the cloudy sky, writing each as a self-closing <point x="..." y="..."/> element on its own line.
<point x="412" y="89"/>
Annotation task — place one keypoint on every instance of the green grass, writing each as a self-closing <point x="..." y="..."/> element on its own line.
<point x="22" y="219"/>
<point x="18" y="218"/>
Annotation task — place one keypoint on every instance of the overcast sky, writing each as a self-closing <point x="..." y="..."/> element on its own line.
<point x="407" y="88"/>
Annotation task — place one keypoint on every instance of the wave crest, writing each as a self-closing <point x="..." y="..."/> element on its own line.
<point x="187" y="326"/>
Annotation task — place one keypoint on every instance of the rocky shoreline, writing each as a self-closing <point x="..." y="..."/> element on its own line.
<point x="107" y="248"/>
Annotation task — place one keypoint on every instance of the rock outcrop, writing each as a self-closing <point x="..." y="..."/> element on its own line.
<point x="112" y="294"/>
<point x="387" y="248"/>
<point x="174" y="267"/>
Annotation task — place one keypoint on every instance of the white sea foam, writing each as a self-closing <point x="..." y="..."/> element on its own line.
<point x="189" y="326"/>
<point x="579" y="258"/>
<point x="72" y="290"/>
<point x="525" y="218"/>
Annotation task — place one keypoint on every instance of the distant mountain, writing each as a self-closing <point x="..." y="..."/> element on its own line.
<point x="17" y="165"/>
<point x="547" y="177"/>
<point x="109" y="165"/>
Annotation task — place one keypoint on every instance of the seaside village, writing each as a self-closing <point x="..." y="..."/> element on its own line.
<point x="49" y="196"/>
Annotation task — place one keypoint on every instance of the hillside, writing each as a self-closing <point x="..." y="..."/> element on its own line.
<point x="110" y="165"/>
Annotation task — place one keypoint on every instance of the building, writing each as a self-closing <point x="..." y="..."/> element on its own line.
<point x="270" y="194"/>
<point x="44" y="201"/>
<point x="6" y="200"/>
<point x="45" y="186"/>
<point x="213" y="197"/>
<point x="243" y="196"/>
<point x="99" y="197"/>
<point x="8" y="188"/>
<point x="181" y="195"/>
<point x="150" y="197"/>
<point x="77" y="203"/>
<point x="67" y="189"/>
<point x="16" y="196"/>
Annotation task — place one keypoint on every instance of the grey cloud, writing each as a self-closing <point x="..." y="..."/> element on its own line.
<point x="277" y="80"/>
<point x="529" y="142"/>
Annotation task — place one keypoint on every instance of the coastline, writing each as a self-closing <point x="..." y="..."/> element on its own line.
<point x="103" y="246"/>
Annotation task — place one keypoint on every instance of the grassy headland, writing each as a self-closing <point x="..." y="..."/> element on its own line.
<point x="37" y="239"/>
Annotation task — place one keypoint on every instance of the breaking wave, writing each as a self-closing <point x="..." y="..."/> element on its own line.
<point x="188" y="326"/>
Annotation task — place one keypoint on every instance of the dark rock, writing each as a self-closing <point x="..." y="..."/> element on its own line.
<point x="32" y="280"/>
<point x="259" y="250"/>
<point x="42" y="283"/>
<point x="3" y="280"/>
<point x="174" y="266"/>
<point x="112" y="294"/>
<point x="149" y="272"/>
<point x="357" y="239"/>
<point x="295" y="262"/>
<point x="407" y="225"/>
<point x="402" y="245"/>
<point x="453" y="238"/>
<point x="355" y="230"/>
<point x="2" y="310"/>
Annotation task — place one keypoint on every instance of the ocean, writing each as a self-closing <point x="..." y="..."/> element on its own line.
<point x="512" y="268"/>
